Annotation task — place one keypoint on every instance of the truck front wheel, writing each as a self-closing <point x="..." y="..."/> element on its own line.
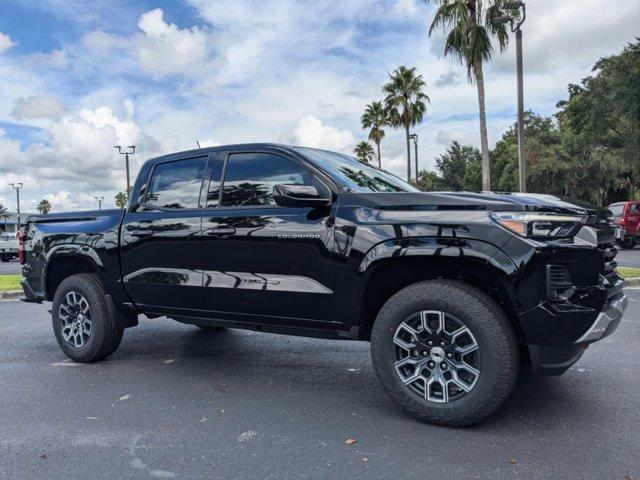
<point x="81" y="323"/>
<point x="445" y="352"/>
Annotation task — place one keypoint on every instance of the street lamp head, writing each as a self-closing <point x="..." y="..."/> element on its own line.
<point x="503" y="19"/>
<point x="513" y="5"/>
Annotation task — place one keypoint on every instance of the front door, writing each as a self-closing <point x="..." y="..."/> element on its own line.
<point x="262" y="262"/>
<point x="161" y="243"/>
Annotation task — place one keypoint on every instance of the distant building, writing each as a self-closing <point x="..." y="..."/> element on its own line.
<point x="10" y="225"/>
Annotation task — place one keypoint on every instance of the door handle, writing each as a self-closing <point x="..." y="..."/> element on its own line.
<point x="221" y="231"/>
<point x="140" y="233"/>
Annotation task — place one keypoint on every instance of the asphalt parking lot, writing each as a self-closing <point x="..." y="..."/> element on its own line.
<point x="629" y="258"/>
<point x="176" y="402"/>
<point x="10" y="268"/>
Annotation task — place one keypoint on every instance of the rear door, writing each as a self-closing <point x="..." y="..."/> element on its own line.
<point x="161" y="244"/>
<point x="264" y="262"/>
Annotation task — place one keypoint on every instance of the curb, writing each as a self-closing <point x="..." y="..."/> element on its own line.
<point x="11" y="295"/>
<point x="632" y="282"/>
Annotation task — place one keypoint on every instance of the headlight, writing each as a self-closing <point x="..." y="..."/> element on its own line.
<point x="540" y="225"/>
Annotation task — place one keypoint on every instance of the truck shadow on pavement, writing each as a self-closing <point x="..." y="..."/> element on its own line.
<point x="272" y="367"/>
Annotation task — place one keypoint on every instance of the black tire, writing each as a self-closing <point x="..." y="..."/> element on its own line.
<point x="103" y="339"/>
<point x="5" y="258"/>
<point x="628" y="244"/>
<point x="494" y="334"/>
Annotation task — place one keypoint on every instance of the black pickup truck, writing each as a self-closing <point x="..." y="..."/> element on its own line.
<point x="453" y="290"/>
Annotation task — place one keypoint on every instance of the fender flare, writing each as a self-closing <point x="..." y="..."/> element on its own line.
<point x="80" y="251"/>
<point x="447" y="247"/>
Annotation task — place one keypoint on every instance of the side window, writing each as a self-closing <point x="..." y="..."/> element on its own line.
<point x="635" y="208"/>
<point x="616" y="209"/>
<point x="176" y="184"/>
<point x="250" y="178"/>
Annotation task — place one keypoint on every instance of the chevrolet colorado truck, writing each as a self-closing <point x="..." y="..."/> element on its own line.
<point x="453" y="290"/>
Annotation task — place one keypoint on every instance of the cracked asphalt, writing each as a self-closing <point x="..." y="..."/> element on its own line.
<point x="176" y="402"/>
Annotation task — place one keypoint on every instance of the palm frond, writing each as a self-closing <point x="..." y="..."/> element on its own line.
<point x="498" y="30"/>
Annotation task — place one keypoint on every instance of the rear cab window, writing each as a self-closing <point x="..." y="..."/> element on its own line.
<point x="176" y="184"/>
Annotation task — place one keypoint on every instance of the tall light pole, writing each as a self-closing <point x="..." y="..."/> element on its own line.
<point x="131" y="149"/>
<point x="516" y="23"/>
<point x="17" y="187"/>
<point x="99" y="199"/>
<point x="414" y="137"/>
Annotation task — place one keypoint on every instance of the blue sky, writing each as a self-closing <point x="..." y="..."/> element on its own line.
<point x="79" y="77"/>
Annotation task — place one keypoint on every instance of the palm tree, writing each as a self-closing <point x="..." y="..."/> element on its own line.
<point x="405" y="102"/>
<point x="364" y="151"/>
<point x="4" y="214"/>
<point x="375" y="117"/>
<point x="469" y="25"/>
<point x="44" y="207"/>
<point x="121" y="200"/>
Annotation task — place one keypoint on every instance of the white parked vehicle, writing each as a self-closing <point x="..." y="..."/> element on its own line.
<point x="8" y="247"/>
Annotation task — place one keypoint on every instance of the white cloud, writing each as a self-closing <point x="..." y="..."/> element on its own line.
<point x="165" y="49"/>
<point x="249" y="70"/>
<point x="405" y="7"/>
<point x="78" y="157"/>
<point x="208" y="143"/>
<point x="445" y="137"/>
<point x="38" y="107"/>
<point x="5" y="43"/>
<point x="571" y="35"/>
<point x="311" y="132"/>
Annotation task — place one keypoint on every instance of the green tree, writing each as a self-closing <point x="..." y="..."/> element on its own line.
<point x="375" y="117"/>
<point x="405" y="102"/>
<point x="364" y="151"/>
<point x="429" y="181"/>
<point x="44" y="206"/>
<point x="459" y="167"/>
<point x="601" y="119"/>
<point x="4" y="214"/>
<point x="121" y="200"/>
<point x="469" y="26"/>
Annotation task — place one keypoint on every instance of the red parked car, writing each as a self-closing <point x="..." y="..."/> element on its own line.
<point x="627" y="216"/>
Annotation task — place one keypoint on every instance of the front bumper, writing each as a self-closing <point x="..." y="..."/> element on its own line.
<point x="556" y="359"/>
<point x="608" y="319"/>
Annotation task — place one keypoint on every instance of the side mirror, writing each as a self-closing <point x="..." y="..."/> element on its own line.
<point x="298" y="196"/>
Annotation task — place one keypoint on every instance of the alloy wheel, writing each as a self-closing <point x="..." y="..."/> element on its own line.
<point x="436" y="356"/>
<point x="75" y="319"/>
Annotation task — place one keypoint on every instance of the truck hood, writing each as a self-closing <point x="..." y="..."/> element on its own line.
<point x="476" y="201"/>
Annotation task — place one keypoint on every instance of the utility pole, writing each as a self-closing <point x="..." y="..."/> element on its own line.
<point x="99" y="199"/>
<point x="414" y="137"/>
<point x="17" y="187"/>
<point x="516" y="23"/>
<point x="131" y="149"/>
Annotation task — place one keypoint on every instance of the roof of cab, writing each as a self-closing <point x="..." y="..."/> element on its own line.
<point x="208" y="150"/>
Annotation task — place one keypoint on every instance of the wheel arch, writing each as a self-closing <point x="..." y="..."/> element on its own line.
<point x="63" y="263"/>
<point x="488" y="269"/>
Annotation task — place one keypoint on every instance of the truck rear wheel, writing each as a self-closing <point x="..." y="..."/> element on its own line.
<point x="445" y="352"/>
<point x="81" y="323"/>
<point x="4" y="257"/>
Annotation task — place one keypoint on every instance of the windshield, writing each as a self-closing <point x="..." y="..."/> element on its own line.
<point x="355" y="175"/>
